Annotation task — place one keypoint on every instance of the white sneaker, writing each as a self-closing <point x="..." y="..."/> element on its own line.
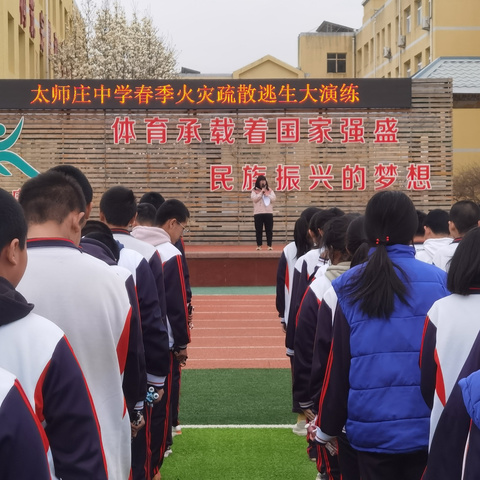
<point x="176" y="430"/>
<point x="300" y="428"/>
<point x="321" y="476"/>
<point x="168" y="452"/>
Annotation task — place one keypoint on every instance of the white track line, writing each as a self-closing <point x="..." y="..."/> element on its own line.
<point x="235" y="426"/>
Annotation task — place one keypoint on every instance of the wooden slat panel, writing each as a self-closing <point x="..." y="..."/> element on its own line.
<point x="85" y="139"/>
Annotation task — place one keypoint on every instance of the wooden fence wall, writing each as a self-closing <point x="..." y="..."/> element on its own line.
<point x="85" y="139"/>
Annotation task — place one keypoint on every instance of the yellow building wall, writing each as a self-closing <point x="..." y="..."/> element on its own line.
<point x="20" y="52"/>
<point x="466" y="140"/>
<point x="313" y="49"/>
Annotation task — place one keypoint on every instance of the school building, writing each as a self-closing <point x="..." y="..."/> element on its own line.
<point x="30" y="32"/>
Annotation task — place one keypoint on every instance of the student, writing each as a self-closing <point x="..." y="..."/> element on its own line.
<point x="372" y="382"/>
<point x="437" y="235"/>
<point x="36" y="351"/>
<point x="286" y="264"/>
<point x="171" y="222"/>
<point x="455" y="448"/>
<point x="22" y="439"/>
<point x="464" y="215"/>
<point x="85" y="298"/>
<point x="145" y="215"/>
<point x="118" y="210"/>
<point x="446" y="343"/>
<point x="334" y="242"/>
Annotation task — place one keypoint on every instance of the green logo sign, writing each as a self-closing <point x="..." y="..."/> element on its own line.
<point x="11" y="157"/>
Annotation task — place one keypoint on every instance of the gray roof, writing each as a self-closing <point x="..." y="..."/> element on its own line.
<point x="465" y="72"/>
<point x="329" y="27"/>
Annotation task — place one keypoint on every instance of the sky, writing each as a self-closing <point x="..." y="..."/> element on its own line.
<point x="220" y="36"/>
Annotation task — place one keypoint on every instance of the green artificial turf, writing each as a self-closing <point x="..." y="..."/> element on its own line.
<point x="259" y="290"/>
<point x="236" y="396"/>
<point x="238" y="454"/>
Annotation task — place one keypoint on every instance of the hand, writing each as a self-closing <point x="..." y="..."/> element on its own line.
<point x="309" y="415"/>
<point x="311" y="431"/>
<point x="181" y="356"/>
<point x="160" y="392"/>
<point x="332" y="447"/>
<point x="190" y="308"/>
<point x="284" y="327"/>
<point x="137" y="424"/>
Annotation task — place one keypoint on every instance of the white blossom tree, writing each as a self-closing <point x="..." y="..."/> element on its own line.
<point x="105" y="45"/>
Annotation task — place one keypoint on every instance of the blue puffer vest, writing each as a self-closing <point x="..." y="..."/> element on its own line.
<point x="386" y="410"/>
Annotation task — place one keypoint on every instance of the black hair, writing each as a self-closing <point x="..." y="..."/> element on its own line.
<point x="390" y="218"/>
<point x="464" y="271"/>
<point x="301" y="237"/>
<point x="12" y="221"/>
<point x="319" y="219"/>
<point x="421" y="219"/>
<point x="154" y="198"/>
<point x="79" y="176"/>
<point x="259" y="179"/>
<point x="335" y="234"/>
<point x="465" y="214"/>
<point x="357" y="243"/>
<point x="171" y="209"/>
<point x="51" y="196"/>
<point x="309" y="212"/>
<point x="437" y="221"/>
<point x="100" y="232"/>
<point x="118" y="205"/>
<point x="146" y="213"/>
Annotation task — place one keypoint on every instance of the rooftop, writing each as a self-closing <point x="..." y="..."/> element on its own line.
<point x="465" y="72"/>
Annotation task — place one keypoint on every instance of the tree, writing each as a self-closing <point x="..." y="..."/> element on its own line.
<point x="466" y="184"/>
<point x="105" y="45"/>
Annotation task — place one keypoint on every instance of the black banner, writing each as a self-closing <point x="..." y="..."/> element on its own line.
<point x="206" y="94"/>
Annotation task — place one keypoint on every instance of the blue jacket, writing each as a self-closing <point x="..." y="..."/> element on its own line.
<point x="384" y="408"/>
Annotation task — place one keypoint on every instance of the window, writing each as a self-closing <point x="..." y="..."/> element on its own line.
<point x="418" y="62"/>
<point x="407" y="69"/>
<point x="336" y="62"/>
<point x="408" y="20"/>
<point x="418" y="5"/>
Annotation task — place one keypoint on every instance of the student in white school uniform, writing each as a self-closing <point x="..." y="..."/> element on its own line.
<point x="22" y="440"/>
<point x="85" y="298"/>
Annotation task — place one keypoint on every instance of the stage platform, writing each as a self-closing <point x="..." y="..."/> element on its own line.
<point x="232" y="265"/>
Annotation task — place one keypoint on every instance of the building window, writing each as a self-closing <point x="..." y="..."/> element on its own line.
<point x="418" y="62"/>
<point x="336" y="62"/>
<point x="408" y="20"/>
<point x="407" y="69"/>
<point x="418" y="5"/>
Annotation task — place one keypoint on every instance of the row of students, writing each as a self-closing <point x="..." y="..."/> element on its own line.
<point x="88" y="390"/>
<point x="372" y="390"/>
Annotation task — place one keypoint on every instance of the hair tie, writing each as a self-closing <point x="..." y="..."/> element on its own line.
<point x="380" y="241"/>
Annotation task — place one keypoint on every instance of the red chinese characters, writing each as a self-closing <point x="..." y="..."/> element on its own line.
<point x="221" y="130"/>
<point x="288" y="130"/>
<point x="418" y="177"/>
<point x="23" y="13"/>
<point x="320" y="175"/>
<point x="31" y="5"/>
<point x="319" y="130"/>
<point x="189" y="129"/>
<point x="288" y="177"/>
<point x="123" y="130"/>
<point x="221" y="177"/>
<point x="352" y="130"/>
<point x="386" y="130"/>
<point x="156" y="130"/>
<point x="255" y="130"/>
<point x="385" y="175"/>
<point x="250" y="173"/>
<point x="352" y="176"/>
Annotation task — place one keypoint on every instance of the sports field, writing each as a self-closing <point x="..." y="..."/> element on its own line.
<point x="235" y="406"/>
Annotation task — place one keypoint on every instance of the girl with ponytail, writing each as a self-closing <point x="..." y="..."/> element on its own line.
<point x="372" y="379"/>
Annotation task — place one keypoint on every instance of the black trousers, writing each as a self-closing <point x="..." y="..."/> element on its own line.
<point x="381" y="466"/>
<point x="260" y="220"/>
